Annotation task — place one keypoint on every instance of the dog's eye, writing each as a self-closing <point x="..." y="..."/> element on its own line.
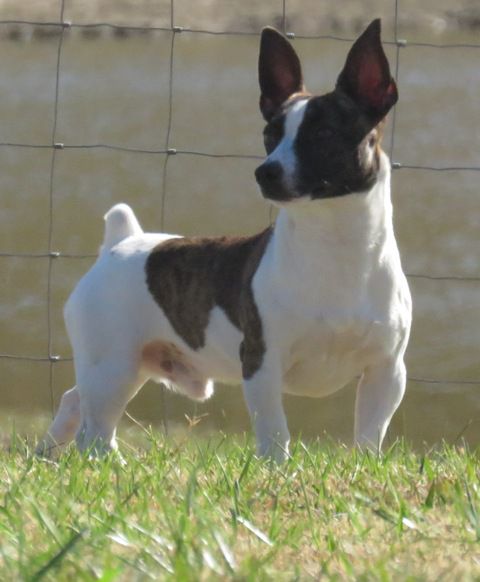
<point x="271" y="137"/>
<point x="270" y="143"/>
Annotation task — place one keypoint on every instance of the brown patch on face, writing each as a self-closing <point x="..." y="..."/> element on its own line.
<point x="299" y="96"/>
<point x="369" y="151"/>
<point x="188" y="277"/>
<point x="333" y="148"/>
<point x="377" y="135"/>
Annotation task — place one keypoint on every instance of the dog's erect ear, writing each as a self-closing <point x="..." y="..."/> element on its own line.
<point x="366" y="75"/>
<point x="279" y="71"/>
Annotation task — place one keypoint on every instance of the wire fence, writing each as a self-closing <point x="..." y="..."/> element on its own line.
<point x="51" y="254"/>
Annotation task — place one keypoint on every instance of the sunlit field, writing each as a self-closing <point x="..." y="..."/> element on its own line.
<point x="196" y="509"/>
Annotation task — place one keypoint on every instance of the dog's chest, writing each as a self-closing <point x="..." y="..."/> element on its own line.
<point x="329" y="352"/>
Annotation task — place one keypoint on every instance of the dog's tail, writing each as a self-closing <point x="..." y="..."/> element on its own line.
<point x="120" y="222"/>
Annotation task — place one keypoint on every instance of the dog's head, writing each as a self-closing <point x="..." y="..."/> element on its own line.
<point x="322" y="146"/>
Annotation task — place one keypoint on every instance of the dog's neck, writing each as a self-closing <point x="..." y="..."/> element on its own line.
<point x="339" y="238"/>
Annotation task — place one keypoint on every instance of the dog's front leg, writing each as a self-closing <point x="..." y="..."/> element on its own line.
<point x="263" y="394"/>
<point x="379" y="393"/>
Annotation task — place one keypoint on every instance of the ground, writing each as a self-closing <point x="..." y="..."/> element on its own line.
<point x="191" y="509"/>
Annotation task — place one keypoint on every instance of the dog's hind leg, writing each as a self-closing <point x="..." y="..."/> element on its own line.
<point x="105" y="390"/>
<point x="65" y="424"/>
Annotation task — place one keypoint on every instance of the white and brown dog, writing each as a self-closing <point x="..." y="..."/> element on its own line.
<point x="301" y="308"/>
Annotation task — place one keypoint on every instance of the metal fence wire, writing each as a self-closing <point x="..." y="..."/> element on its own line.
<point x="52" y="254"/>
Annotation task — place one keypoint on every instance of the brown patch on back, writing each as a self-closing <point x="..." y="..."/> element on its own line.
<point x="188" y="277"/>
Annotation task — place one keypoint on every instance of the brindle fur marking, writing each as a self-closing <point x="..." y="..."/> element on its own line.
<point x="188" y="277"/>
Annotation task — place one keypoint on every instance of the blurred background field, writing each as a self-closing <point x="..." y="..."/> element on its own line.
<point x="305" y="16"/>
<point x="114" y="87"/>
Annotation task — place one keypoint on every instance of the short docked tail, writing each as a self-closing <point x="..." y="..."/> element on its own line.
<point x="120" y="222"/>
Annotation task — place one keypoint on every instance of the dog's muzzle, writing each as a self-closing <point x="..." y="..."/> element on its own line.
<point x="270" y="178"/>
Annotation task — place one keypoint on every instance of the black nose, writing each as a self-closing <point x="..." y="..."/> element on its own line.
<point x="269" y="174"/>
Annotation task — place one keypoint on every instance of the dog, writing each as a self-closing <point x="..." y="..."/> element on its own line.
<point x="304" y="307"/>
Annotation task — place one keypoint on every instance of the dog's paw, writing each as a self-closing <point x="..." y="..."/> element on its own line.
<point x="47" y="448"/>
<point x="273" y="452"/>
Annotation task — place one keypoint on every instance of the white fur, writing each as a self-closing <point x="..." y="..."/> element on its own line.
<point x="120" y="222"/>
<point x="284" y="153"/>
<point x="334" y="304"/>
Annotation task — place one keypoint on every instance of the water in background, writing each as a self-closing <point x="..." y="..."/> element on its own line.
<point x="116" y="92"/>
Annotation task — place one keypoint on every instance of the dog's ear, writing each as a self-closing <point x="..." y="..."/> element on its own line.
<point x="279" y="72"/>
<point x="366" y="75"/>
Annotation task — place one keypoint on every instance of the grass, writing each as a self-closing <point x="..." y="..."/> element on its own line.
<point x="210" y="510"/>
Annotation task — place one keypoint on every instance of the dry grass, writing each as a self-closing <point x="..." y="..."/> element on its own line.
<point x="211" y="510"/>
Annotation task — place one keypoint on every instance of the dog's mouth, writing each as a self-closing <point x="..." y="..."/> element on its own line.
<point x="278" y="193"/>
<point x="276" y="188"/>
<point x="322" y="189"/>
